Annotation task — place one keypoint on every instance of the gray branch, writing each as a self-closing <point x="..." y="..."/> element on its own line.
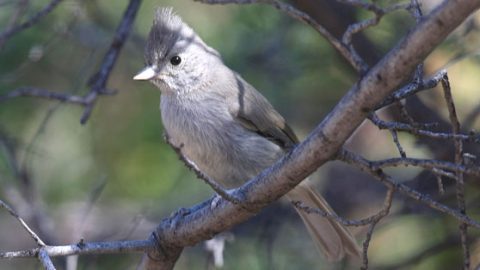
<point x="30" y="22"/>
<point x="366" y="166"/>
<point x="45" y="260"/>
<point x="460" y="184"/>
<point x="13" y="213"/>
<point x="83" y="248"/>
<point x="98" y="81"/>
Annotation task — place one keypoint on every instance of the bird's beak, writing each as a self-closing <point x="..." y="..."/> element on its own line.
<point x="147" y="73"/>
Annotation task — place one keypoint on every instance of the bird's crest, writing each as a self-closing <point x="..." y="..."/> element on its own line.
<point x="167" y="30"/>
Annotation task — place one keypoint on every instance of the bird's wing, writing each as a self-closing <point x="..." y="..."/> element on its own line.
<point x="255" y="113"/>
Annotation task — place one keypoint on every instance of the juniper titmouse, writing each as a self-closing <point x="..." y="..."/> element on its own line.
<point x="227" y="128"/>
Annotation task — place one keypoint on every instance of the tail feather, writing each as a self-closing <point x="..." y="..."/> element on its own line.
<point x="330" y="237"/>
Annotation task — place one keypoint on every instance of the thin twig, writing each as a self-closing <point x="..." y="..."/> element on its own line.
<point x="30" y="22"/>
<point x="16" y="15"/>
<point x="82" y="248"/>
<point x="412" y="89"/>
<point x="346" y="222"/>
<point x="372" y="220"/>
<point x="460" y="185"/>
<point x="429" y="164"/>
<point x="358" y="27"/>
<point x="100" y="78"/>
<point x="366" y="244"/>
<point x="12" y="212"/>
<point x="366" y="166"/>
<point x="440" y="172"/>
<point x="355" y="62"/>
<point x="98" y="81"/>
<point x="43" y="93"/>
<point x="397" y="143"/>
<point x="438" y="175"/>
<point x="404" y="113"/>
<point x="387" y="204"/>
<point x="415" y="130"/>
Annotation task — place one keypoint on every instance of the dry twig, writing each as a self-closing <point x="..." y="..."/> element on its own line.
<point x="23" y="223"/>
<point x="42" y="255"/>
<point x="84" y="248"/>
<point x="30" y="22"/>
<point x="98" y="82"/>
<point x="367" y="166"/>
<point x="460" y="185"/>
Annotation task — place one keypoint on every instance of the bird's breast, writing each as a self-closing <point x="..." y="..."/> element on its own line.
<point x="209" y="136"/>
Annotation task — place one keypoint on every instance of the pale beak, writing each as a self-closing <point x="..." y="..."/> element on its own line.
<point x="147" y="73"/>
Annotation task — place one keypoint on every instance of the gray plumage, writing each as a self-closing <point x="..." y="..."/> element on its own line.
<point x="222" y="124"/>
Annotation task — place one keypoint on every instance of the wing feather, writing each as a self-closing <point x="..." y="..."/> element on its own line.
<point x="255" y="113"/>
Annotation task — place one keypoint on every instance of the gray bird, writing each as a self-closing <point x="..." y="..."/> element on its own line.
<point x="223" y="124"/>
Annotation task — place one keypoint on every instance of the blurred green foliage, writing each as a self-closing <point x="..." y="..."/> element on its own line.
<point x="122" y="145"/>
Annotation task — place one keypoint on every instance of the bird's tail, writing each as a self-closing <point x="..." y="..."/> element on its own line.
<point x="330" y="237"/>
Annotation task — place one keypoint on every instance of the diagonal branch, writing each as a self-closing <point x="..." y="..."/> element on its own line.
<point x="354" y="59"/>
<point x="22" y="222"/>
<point x="98" y="82"/>
<point x="45" y="260"/>
<point x="99" y="79"/>
<point x="42" y="254"/>
<point x="30" y="22"/>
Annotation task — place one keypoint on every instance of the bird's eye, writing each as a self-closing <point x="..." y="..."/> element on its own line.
<point x="175" y="60"/>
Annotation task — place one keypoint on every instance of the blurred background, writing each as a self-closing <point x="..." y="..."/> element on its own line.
<point x="115" y="178"/>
